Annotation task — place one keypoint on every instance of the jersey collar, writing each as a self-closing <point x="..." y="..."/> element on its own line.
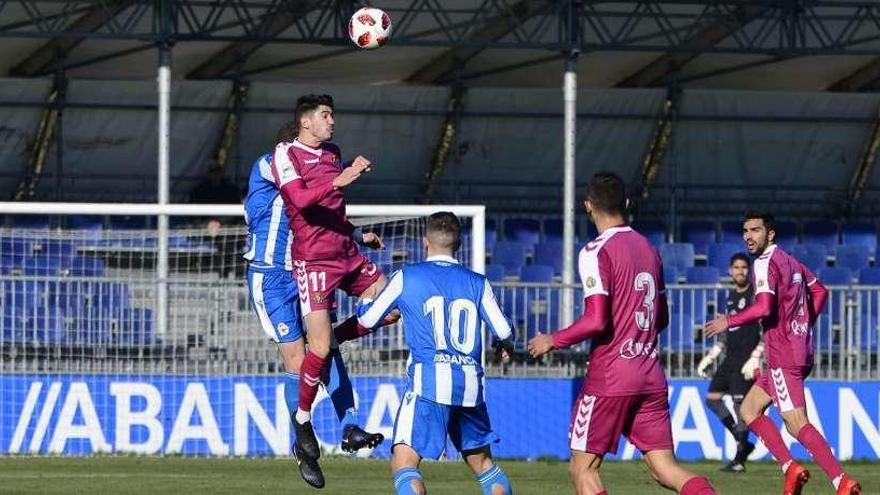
<point x="442" y="257"/>
<point x="314" y="151"/>
<point x="769" y="250"/>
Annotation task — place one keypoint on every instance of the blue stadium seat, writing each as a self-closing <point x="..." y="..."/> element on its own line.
<point x="853" y="256"/>
<point x="670" y="274"/>
<point x="654" y="230"/>
<point x="786" y="234"/>
<point x="813" y="256"/>
<point x="819" y="232"/>
<point x="680" y="255"/>
<point x="491" y="235"/>
<point x="42" y="266"/>
<point x="44" y="326"/>
<point x="700" y="234"/>
<point x="679" y="335"/>
<point x="702" y="275"/>
<point x="14" y="250"/>
<point x="864" y="234"/>
<point x="495" y="273"/>
<point x="136" y="328"/>
<point x="732" y="232"/>
<point x="869" y="276"/>
<point x="56" y="248"/>
<point x="720" y="254"/>
<point x="523" y="230"/>
<point x="511" y="255"/>
<point x="550" y="254"/>
<point x="536" y="273"/>
<point x="31" y="222"/>
<point x="835" y="276"/>
<point x="539" y="305"/>
<point x="553" y="229"/>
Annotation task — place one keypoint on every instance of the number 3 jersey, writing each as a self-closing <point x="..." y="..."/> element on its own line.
<point x="443" y="306"/>
<point x="622" y="265"/>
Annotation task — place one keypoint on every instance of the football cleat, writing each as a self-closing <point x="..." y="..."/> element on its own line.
<point x="733" y="467"/>
<point x="743" y="452"/>
<point x="849" y="486"/>
<point x="305" y="439"/>
<point x="354" y="439"/>
<point x="309" y="468"/>
<point x="795" y="479"/>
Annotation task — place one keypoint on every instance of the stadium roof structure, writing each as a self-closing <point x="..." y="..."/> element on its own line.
<point x="735" y="44"/>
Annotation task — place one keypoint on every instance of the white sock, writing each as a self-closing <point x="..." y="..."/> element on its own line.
<point x="303" y="417"/>
<point x="836" y="481"/>
<point x="784" y="466"/>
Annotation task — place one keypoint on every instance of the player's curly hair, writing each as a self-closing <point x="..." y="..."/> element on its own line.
<point x="309" y="103"/>
<point x="288" y="132"/>
<point x="443" y="230"/>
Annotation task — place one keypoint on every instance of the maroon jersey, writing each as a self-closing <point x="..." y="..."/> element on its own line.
<point x="622" y="265"/>
<point x="315" y="208"/>
<point x="787" y="332"/>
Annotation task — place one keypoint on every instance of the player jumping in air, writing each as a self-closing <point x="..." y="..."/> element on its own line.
<point x="310" y="175"/>
<point x="788" y="300"/>
<point x="443" y="306"/>
<point x="625" y="390"/>
<point x="736" y="373"/>
<point x="275" y="299"/>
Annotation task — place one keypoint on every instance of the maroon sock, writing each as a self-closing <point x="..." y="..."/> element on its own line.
<point x="310" y="377"/>
<point x="697" y="485"/>
<point x="766" y="430"/>
<point x="603" y="492"/>
<point x="810" y="437"/>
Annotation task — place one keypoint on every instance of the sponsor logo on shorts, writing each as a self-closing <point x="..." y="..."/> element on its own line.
<point x="283" y="329"/>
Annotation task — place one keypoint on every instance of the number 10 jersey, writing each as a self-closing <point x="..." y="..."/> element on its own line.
<point x="443" y="306"/>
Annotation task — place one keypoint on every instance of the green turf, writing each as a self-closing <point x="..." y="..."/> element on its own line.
<point x="99" y="475"/>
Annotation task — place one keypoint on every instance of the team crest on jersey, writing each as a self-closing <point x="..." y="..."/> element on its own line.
<point x="318" y="298"/>
<point x="591" y="282"/>
<point x="283" y="329"/>
<point x="760" y="283"/>
<point x="742" y="303"/>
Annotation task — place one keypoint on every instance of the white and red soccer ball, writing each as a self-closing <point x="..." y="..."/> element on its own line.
<point x="369" y="28"/>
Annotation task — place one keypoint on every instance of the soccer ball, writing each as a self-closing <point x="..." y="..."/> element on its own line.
<point x="369" y="28"/>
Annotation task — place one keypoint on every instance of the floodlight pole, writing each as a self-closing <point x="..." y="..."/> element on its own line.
<point x="163" y="193"/>
<point x="569" y="88"/>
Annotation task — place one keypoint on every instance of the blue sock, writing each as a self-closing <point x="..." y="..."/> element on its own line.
<point x="291" y="391"/>
<point x="340" y="391"/>
<point x="403" y="479"/>
<point x="494" y="476"/>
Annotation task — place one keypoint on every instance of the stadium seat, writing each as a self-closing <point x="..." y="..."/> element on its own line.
<point x="42" y="266"/>
<point x="813" y="256"/>
<point x="59" y="249"/>
<point x="14" y="250"/>
<point x="526" y="231"/>
<point x="536" y="273"/>
<point x="720" y="254"/>
<point x="511" y="255"/>
<point x="495" y="273"/>
<point x="539" y="306"/>
<point x="670" y="274"/>
<point x="869" y="276"/>
<point x="786" y="234"/>
<point x="700" y="234"/>
<point x="43" y="326"/>
<point x="702" y="275"/>
<point x="550" y="254"/>
<point x="654" y="230"/>
<point x="732" y="232"/>
<point x="853" y="256"/>
<point x="491" y="235"/>
<point x="835" y="276"/>
<point x="136" y="328"/>
<point x="819" y="232"/>
<point x="864" y="234"/>
<point x="31" y="222"/>
<point x="679" y="254"/>
<point x="553" y="229"/>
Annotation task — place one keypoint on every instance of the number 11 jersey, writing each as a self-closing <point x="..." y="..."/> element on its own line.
<point x="443" y="306"/>
<point x="622" y="265"/>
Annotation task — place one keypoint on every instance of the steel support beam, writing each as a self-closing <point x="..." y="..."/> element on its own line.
<point x="864" y="169"/>
<point x="659" y="145"/>
<point x="866" y="78"/>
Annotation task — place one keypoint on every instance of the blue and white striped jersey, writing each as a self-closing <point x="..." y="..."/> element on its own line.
<point x="269" y="236"/>
<point x="442" y="304"/>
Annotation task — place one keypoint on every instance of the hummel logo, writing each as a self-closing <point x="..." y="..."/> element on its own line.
<point x="311" y="162"/>
<point x="311" y="380"/>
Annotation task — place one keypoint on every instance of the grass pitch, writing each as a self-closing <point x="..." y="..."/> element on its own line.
<point x="177" y="475"/>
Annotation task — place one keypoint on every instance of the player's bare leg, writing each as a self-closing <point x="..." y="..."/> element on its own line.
<point x="584" y="471"/>
<point x="405" y="469"/>
<point x="666" y="471"/>
<point x="319" y="329"/>
<point x="490" y="476"/>
<point x="798" y="425"/>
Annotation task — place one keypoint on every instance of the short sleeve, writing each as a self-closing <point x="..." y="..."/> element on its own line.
<point x="283" y="169"/>
<point x="766" y="276"/>
<point x="594" y="267"/>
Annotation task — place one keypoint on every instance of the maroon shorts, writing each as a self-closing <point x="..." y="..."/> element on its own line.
<point x="597" y="423"/>
<point x="785" y="386"/>
<point x="318" y="280"/>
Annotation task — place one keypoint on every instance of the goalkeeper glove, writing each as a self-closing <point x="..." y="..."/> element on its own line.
<point x="708" y="359"/>
<point x="753" y="364"/>
<point x="503" y="349"/>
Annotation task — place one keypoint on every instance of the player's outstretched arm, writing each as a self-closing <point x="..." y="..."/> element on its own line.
<point x="753" y="313"/>
<point x="593" y="323"/>
<point x="499" y="325"/>
<point x="371" y="314"/>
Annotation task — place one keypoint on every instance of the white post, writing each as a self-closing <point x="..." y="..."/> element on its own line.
<point x="478" y="248"/>
<point x="568" y="202"/>
<point x="163" y="193"/>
